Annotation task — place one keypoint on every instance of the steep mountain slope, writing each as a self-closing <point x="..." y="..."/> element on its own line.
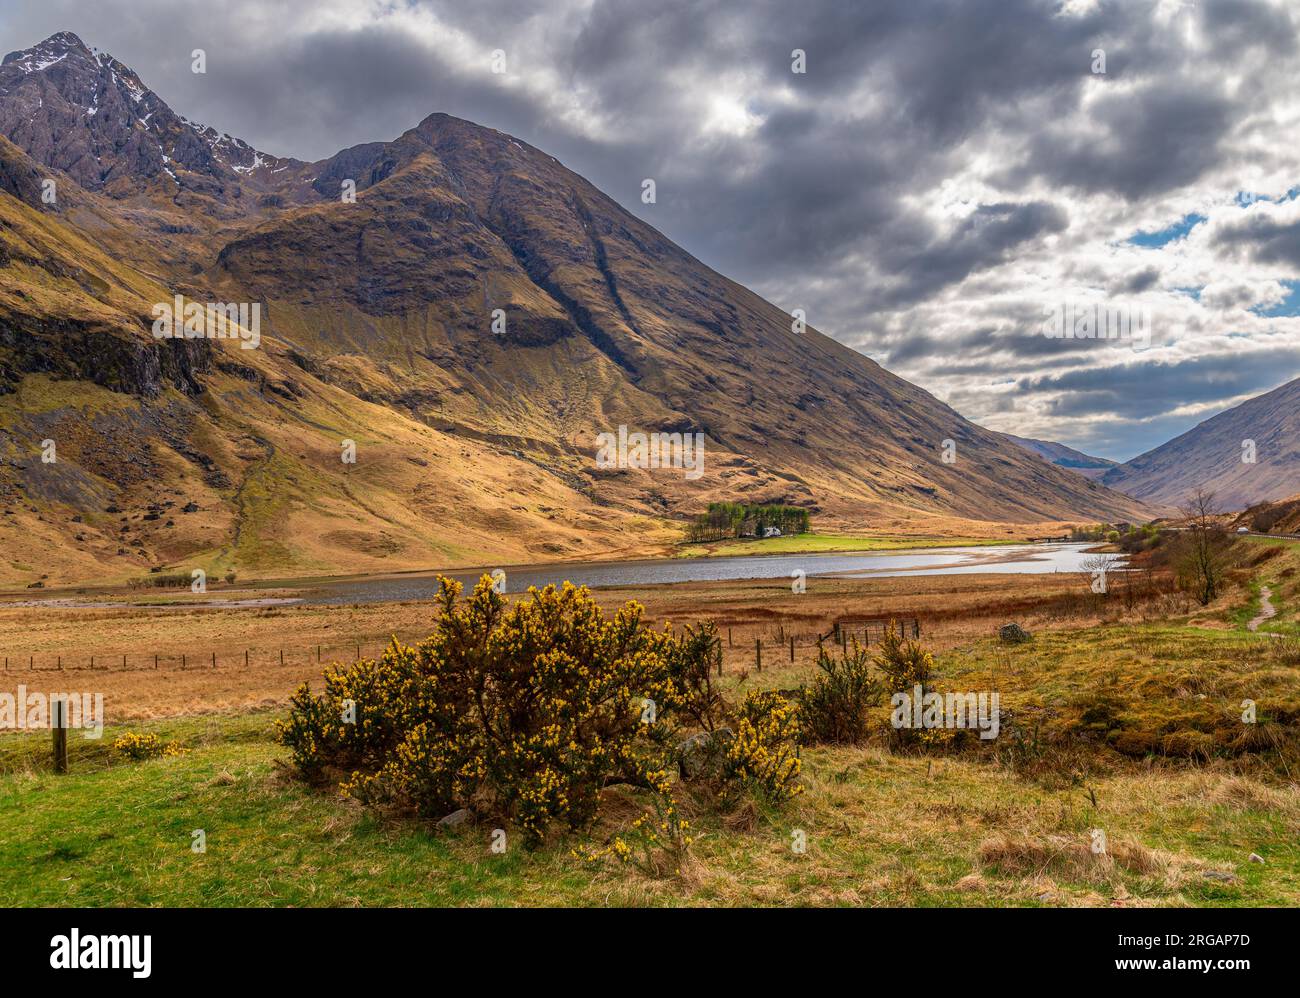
<point x="1210" y="456"/>
<point x="377" y="326"/>
<point x="1065" y="457"/>
<point x="196" y="453"/>
<point x="467" y="220"/>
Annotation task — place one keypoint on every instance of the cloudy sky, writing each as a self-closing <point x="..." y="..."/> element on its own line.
<point x="940" y="177"/>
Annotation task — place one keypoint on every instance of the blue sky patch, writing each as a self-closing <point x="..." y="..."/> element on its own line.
<point x="1290" y="305"/>
<point x="1165" y="236"/>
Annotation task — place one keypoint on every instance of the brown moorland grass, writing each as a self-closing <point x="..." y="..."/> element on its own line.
<point x="953" y="610"/>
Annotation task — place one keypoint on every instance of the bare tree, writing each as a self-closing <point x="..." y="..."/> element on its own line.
<point x="1204" y="561"/>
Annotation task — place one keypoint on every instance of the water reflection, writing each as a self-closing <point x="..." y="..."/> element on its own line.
<point x="1016" y="559"/>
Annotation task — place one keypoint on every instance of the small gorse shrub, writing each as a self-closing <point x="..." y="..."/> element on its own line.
<point x="763" y="759"/>
<point x="833" y="708"/>
<point x="138" y="747"/>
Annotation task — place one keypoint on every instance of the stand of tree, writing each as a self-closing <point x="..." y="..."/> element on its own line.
<point x="1096" y="532"/>
<point x="733" y="519"/>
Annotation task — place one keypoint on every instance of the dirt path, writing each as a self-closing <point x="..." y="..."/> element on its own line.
<point x="1266" y="608"/>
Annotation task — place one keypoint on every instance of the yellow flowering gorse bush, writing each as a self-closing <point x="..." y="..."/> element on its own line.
<point x="834" y="707"/>
<point x="138" y="747"/>
<point x="904" y="664"/>
<point x="763" y="757"/>
<point x="523" y="710"/>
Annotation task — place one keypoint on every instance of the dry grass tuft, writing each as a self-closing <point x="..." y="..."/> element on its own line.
<point x="972" y="882"/>
<point x="222" y="779"/>
<point x="745" y="817"/>
<point x="1240" y="793"/>
<point x="1071" y="859"/>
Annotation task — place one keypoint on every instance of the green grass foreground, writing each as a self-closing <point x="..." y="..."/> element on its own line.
<point x="998" y="827"/>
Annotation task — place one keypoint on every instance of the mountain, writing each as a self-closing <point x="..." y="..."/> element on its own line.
<point x="380" y="323"/>
<point x="92" y="118"/>
<point x="1210" y="456"/>
<point x="1065" y="457"/>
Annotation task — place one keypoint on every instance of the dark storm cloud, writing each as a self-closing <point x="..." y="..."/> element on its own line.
<point x="1161" y="137"/>
<point x="984" y="238"/>
<point x="1263" y="239"/>
<point x="992" y="352"/>
<point x="1238" y="25"/>
<point x="920" y="346"/>
<point x="1141" y="390"/>
<point x="833" y="193"/>
<point x="1140" y="281"/>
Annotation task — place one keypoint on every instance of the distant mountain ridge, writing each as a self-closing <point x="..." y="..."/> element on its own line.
<point x="471" y="321"/>
<point x="1066" y="457"/>
<point x="1213" y="456"/>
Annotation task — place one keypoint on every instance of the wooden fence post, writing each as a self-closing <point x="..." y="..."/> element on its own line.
<point x="791" y="649"/>
<point x="155" y="660"/>
<point x="60" y="720"/>
<point x="758" y="653"/>
<point x="245" y="658"/>
<point x="728" y="637"/>
<point x="182" y="661"/>
<point x="214" y="660"/>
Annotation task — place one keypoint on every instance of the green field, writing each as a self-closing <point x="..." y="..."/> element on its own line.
<point x="820" y="543"/>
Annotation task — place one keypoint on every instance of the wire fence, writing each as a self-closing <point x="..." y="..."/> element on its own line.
<point x="184" y="661"/>
<point x="764" y="643"/>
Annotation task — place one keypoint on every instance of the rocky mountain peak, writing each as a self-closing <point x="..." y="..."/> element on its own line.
<point x="51" y="51"/>
<point x="85" y="113"/>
